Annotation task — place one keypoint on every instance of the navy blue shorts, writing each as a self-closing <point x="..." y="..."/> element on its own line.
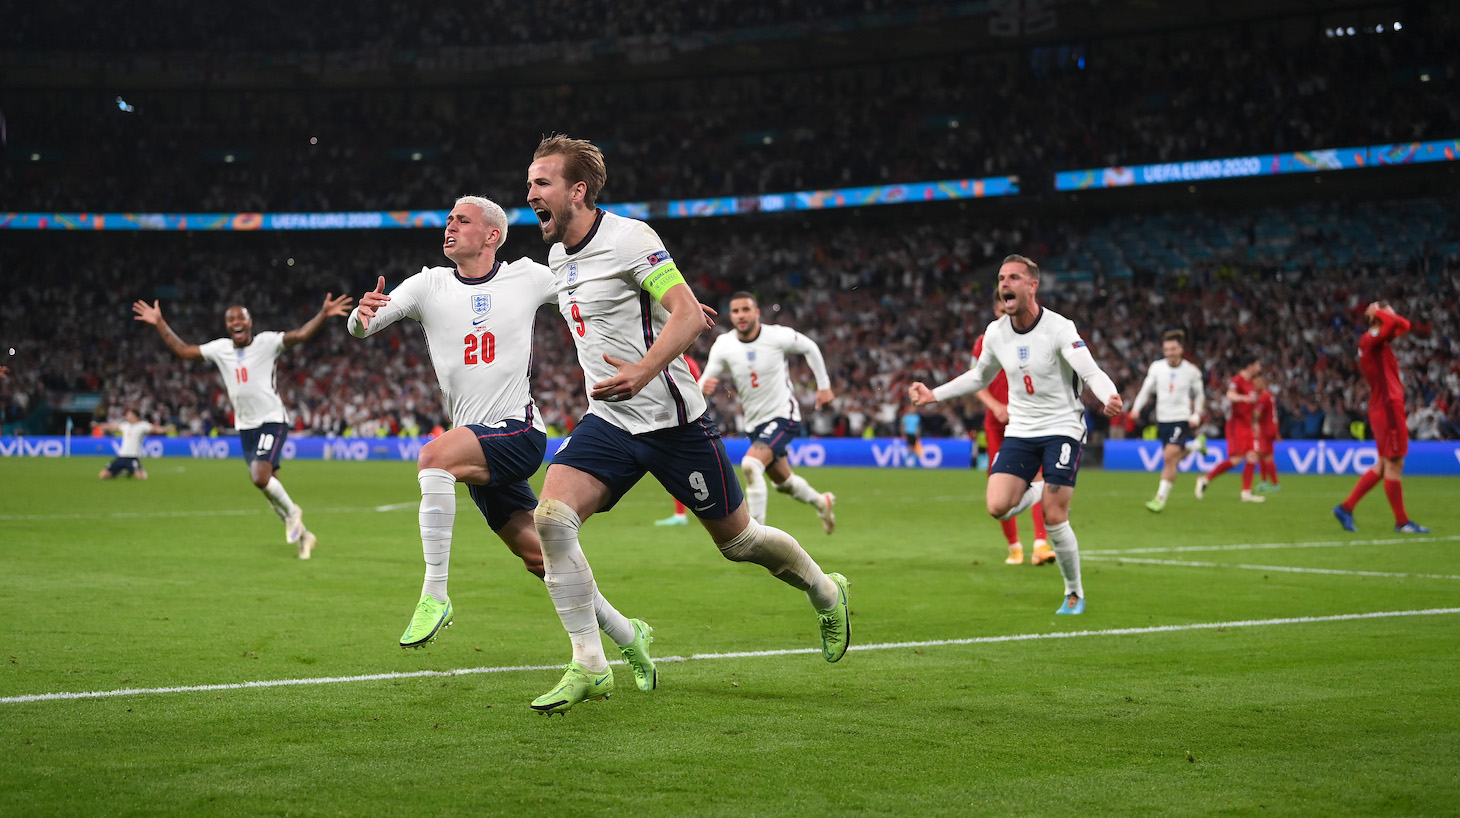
<point x="264" y="443"/>
<point x="514" y="451"/>
<point x="1173" y="434"/>
<point x="689" y="461"/>
<point x="776" y="434"/>
<point x="1023" y="457"/>
<point x="130" y="465"/>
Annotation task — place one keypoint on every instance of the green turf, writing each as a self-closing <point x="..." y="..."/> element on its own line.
<point x="186" y="580"/>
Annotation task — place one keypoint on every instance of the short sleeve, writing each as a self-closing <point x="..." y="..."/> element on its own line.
<point x="642" y="252"/>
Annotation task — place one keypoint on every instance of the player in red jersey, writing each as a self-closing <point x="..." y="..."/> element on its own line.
<point x="1386" y="419"/>
<point x="680" y="517"/>
<point x="1267" y="437"/>
<point x="995" y="398"/>
<point x="1241" y="434"/>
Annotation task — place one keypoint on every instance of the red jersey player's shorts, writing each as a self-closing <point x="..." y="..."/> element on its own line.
<point x="1239" y="439"/>
<point x="1390" y="427"/>
<point x="993" y="432"/>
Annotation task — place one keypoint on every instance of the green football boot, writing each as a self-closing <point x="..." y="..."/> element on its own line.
<point x="636" y="655"/>
<point x="1156" y="504"/>
<point x="577" y="685"/>
<point x="430" y="618"/>
<point x="836" y="623"/>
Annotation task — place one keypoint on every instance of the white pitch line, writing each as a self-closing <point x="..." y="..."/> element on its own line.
<point x="979" y="640"/>
<point x="1188" y="549"/>
<point x="1277" y="568"/>
<point x="232" y="512"/>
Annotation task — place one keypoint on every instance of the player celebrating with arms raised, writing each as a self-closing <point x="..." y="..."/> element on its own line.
<point x="1180" y="401"/>
<point x="246" y="362"/>
<point x="1387" y="419"/>
<point x="755" y="356"/>
<point x="1041" y="352"/>
<point x="478" y="320"/>
<point x="631" y="316"/>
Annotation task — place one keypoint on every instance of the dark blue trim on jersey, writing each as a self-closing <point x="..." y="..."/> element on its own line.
<point x="1037" y="319"/>
<point x="646" y="315"/>
<point x="592" y="231"/>
<point x="758" y="327"/>
<point x="496" y="265"/>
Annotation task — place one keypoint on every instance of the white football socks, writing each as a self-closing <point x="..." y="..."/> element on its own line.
<point x="779" y="553"/>
<point x="570" y="582"/>
<point x="797" y="487"/>
<point x="755" y="488"/>
<point x="1031" y="496"/>
<point x="437" y="516"/>
<point x="1164" y="491"/>
<point x="278" y="498"/>
<point x="1067" y="554"/>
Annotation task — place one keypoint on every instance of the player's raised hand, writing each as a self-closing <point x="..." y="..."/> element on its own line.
<point x="823" y="397"/>
<point x="371" y="301"/>
<point x="630" y="379"/>
<point x="336" y="306"/>
<point x="920" y="394"/>
<point x="1113" y="406"/>
<point x="147" y="313"/>
<point x="710" y="385"/>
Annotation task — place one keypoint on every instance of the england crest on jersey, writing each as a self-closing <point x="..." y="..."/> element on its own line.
<point x="481" y="304"/>
<point x="750" y="355"/>
<point x="572" y="273"/>
<point x="1023" y="356"/>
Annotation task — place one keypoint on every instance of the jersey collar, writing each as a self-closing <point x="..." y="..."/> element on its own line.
<point x="1037" y="319"/>
<point x="492" y="273"/>
<point x="592" y="231"/>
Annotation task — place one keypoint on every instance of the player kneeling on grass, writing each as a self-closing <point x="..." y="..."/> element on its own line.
<point x="478" y="320"/>
<point x="134" y="431"/>
<point x="1041" y="352"/>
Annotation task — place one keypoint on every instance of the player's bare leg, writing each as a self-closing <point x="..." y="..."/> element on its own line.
<point x="1172" y="455"/>
<point x="1008" y="496"/>
<point x="788" y="482"/>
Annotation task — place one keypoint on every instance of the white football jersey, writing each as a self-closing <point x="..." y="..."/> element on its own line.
<point x="479" y="333"/>
<point x="1042" y="364"/>
<point x="248" y="375"/>
<point x="600" y="295"/>
<point x="759" y="372"/>
<point x="133" y="435"/>
<point x="1178" y="390"/>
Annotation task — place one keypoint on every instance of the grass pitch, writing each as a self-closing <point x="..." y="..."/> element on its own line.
<point x="1235" y="659"/>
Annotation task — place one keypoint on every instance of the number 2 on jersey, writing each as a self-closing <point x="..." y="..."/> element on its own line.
<point x="483" y="347"/>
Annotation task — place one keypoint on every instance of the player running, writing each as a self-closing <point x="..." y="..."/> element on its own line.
<point x="631" y="316"/>
<point x="1181" y="399"/>
<point x="1242" y="433"/>
<point x="1042" y="353"/>
<point x="754" y="355"/>
<point x="247" y="363"/>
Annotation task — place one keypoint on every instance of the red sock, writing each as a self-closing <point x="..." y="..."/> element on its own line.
<point x="1269" y="471"/>
<point x="1248" y="469"/>
<point x="1395" y="490"/>
<point x="1038" y="511"/>
<point x="678" y="508"/>
<point x="1219" y="470"/>
<point x="1011" y="530"/>
<point x="1369" y="480"/>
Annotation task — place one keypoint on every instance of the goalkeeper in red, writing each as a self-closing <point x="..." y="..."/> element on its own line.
<point x="1386" y="419"/>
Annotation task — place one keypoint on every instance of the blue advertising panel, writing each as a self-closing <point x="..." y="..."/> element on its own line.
<point x="1440" y="458"/>
<point x="885" y="453"/>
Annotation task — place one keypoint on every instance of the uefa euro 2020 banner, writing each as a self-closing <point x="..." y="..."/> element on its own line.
<point x="888" y="453"/>
<point x="1293" y="457"/>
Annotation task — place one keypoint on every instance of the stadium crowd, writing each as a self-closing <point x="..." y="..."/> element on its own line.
<point x="890" y="301"/>
<point x="1223" y="91"/>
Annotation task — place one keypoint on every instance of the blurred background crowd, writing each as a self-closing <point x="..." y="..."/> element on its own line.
<point x="296" y="107"/>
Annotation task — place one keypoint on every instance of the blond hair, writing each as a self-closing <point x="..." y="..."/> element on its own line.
<point x="492" y="214"/>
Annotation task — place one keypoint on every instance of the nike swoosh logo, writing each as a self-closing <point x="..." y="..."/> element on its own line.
<point x="599" y="681"/>
<point x="476" y="322"/>
<point x="706" y="508"/>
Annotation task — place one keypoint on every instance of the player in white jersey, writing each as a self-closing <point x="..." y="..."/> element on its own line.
<point x="134" y="431"/>
<point x="755" y="356"/>
<point x="478" y="320"/>
<point x="1046" y="362"/>
<point x="246" y="362"/>
<point x="631" y="316"/>
<point x="1180" y="401"/>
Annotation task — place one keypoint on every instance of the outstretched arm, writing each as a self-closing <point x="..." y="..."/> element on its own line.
<point x="152" y="314"/>
<point x="331" y="307"/>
